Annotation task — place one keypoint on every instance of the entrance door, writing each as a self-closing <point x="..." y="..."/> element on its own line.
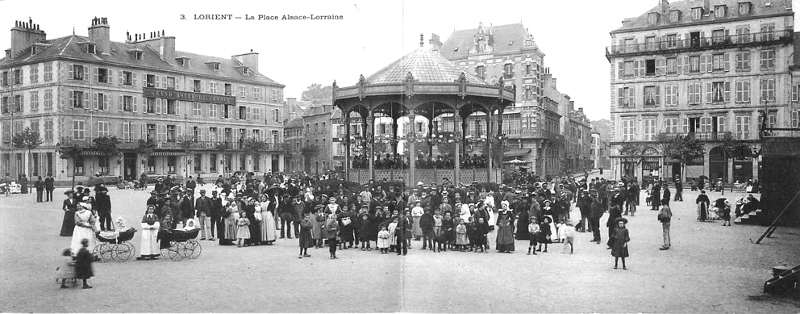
<point x="130" y="167"/>
<point x="718" y="166"/>
<point x="275" y="163"/>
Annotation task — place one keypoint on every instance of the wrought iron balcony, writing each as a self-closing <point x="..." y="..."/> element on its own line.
<point x="130" y="144"/>
<point x="701" y="43"/>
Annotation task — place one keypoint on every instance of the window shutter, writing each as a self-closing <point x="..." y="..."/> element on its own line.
<point x="702" y="63"/>
<point x="142" y="135"/>
<point x="179" y="133"/>
<point x="661" y="66"/>
<point x="158" y="82"/>
<point x="96" y="74"/>
<point x="71" y="73"/>
<point x="177" y="83"/>
<point x="125" y="131"/>
<point x="177" y="108"/>
<point x="94" y="101"/>
<point x="111" y="76"/>
<point x="727" y="91"/>
<point x="106" y="102"/>
<point x="632" y="96"/>
<point x="727" y="61"/>
<point x="164" y="82"/>
<point x="749" y="91"/>
<point x="680" y="65"/>
<point x="96" y="129"/>
<point x="158" y="105"/>
<point x="119" y="79"/>
<point x="135" y="101"/>
<point x="795" y="92"/>
<point x="120" y="104"/>
<point x="686" y="125"/>
<point x="621" y="70"/>
<point x="709" y="63"/>
<point x="133" y="79"/>
<point x="86" y="100"/>
<point x="144" y="80"/>
<point x="71" y="99"/>
<point x="709" y="94"/>
<point x="658" y="95"/>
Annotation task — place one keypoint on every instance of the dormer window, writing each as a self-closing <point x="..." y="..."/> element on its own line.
<point x="652" y="18"/>
<point x="697" y="13"/>
<point x="8" y="53"/>
<point x="674" y="16"/>
<point x="245" y="71"/>
<point x="720" y="11"/>
<point x="138" y="55"/>
<point x="91" y="48"/>
<point x="183" y="61"/>
<point x="33" y="50"/>
<point x="213" y="65"/>
<point x="744" y="8"/>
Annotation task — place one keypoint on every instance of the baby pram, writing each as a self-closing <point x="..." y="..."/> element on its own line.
<point x="181" y="244"/>
<point x="114" y="245"/>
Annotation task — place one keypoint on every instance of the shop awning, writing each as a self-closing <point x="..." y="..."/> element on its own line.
<point x="517" y="152"/>
<point x="167" y="154"/>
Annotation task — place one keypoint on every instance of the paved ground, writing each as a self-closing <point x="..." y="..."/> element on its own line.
<point x="710" y="268"/>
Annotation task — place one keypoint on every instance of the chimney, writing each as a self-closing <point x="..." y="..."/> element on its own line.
<point x="664" y="6"/>
<point x="167" y="48"/>
<point x="706" y="6"/>
<point x="100" y="35"/>
<point x="553" y="82"/>
<point x="23" y="36"/>
<point x="250" y="60"/>
<point x="435" y="43"/>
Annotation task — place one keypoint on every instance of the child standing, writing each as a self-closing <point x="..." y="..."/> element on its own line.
<point x="83" y="264"/>
<point x="383" y="239"/>
<point x="332" y="227"/>
<point x="568" y="234"/>
<point x="243" y="230"/>
<point x="481" y="229"/>
<point x="67" y="270"/>
<point x="461" y="235"/>
<point x="544" y="234"/>
<point x="620" y="245"/>
<point x="364" y="232"/>
<point x="305" y="235"/>
<point x="437" y="231"/>
<point x="534" y="230"/>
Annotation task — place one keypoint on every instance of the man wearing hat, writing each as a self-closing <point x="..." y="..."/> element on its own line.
<point x="160" y="187"/>
<point x="203" y="207"/>
<point x="70" y="206"/>
<point x="102" y="204"/>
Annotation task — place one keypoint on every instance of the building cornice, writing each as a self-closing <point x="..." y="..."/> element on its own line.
<point x="699" y="23"/>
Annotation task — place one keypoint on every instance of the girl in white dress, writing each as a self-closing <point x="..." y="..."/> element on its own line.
<point x="84" y="229"/>
<point x="150" y="227"/>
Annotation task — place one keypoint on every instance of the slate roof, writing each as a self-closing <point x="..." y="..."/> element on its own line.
<point x="505" y="39"/>
<point x="73" y="47"/>
<point x="427" y="66"/>
<point x="296" y="123"/>
<point x="758" y="8"/>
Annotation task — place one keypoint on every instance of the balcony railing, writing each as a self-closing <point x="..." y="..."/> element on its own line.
<point x="716" y="42"/>
<point x="126" y="144"/>
<point x="552" y="136"/>
<point x="781" y="132"/>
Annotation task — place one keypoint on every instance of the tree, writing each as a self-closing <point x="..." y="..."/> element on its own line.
<point x="664" y="141"/>
<point x="317" y="94"/>
<point x="309" y="152"/>
<point x="185" y="142"/>
<point x="732" y="149"/>
<point x="27" y="139"/>
<point x="108" y="146"/>
<point x="70" y="150"/>
<point x="145" y="147"/>
<point x="685" y="149"/>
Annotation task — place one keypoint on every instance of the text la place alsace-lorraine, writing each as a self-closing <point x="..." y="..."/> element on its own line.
<point x="265" y="17"/>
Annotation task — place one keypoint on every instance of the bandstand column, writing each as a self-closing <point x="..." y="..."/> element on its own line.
<point x="371" y="143"/>
<point x="457" y="136"/>
<point x="347" y="165"/>
<point x="489" y="139"/>
<point x="412" y="158"/>
<point x="464" y="131"/>
<point x="393" y="144"/>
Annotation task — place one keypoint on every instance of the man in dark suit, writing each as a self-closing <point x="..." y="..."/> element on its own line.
<point x="102" y="204"/>
<point x="203" y="207"/>
<point x="39" y="185"/>
<point x="215" y="212"/>
<point x="49" y="187"/>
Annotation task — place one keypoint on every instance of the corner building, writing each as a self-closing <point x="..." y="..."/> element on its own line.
<point x="710" y="68"/>
<point x="77" y="88"/>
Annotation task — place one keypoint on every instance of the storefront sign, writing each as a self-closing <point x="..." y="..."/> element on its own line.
<point x="188" y="96"/>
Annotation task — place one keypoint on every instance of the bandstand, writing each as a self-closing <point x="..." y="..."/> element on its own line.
<point x="423" y="83"/>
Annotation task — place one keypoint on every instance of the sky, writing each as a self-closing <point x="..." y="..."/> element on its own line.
<point x="572" y="34"/>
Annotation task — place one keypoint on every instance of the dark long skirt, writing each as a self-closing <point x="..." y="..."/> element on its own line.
<point x="68" y="224"/>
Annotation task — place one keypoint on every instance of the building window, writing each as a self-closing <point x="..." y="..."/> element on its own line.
<point x="127" y="103"/>
<point x="480" y="71"/>
<point x="78" y="129"/>
<point x="228" y="90"/>
<point x="34" y="74"/>
<point x="650" y="43"/>
<point x="91" y="48"/>
<point x="17" y="76"/>
<point x="100" y="101"/>
<point x="625" y="97"/>
<point x="78" y="168"/>
<point x="768" y="59"/>
<point x="77" y="99"/>
<point x="694" y="93"/>
<point x="150" y="80"/>
<point x="48" y="99"/>
<point x="151" y="132"/>
<point x="651" y="96"/>
<point x="197" y="109"/>
<point x="672" y="65"/>
<point x="102" y="75"/>
<point x="127" y="78"/>
<point x="671" y="125"/>
<point x="743" y="127"/>
<point x="48" y="72"/>
<point x="650" y="67"/>
<point x="151" y="165"/>
<point x="649" y="129"/>
<point x="719" y="91"/>
<point x="772" y="120"/>
<point x="4" y="107"/>
<point x="35" y="101"/>
<point x="212" y="87"/>
<point x="742" y="91"/>
<point x="718" y="36"/>
<point x="697" y="13"/>
<point x="768" y="32"/>
<point x="48" y="131"/>
<point x="170" y="82"/>
<point x="150" y="105"/>
<point x="743" y="61"/>
<point x="718" y="62"/>
<point x="672" y="41"/>
<point x="256" y="93"/>
<point x="674" y="16"/>
<point x="742" y="34"/>
<point x="628" y="129"/>
<point x="694" y="64"/>
<point x="242" y="92"/>
<point x="78" y="72"/>
<point x="196" y="86"/>
<point x="198" y="163"/>
<point x="768" y="89"/>
<point x="242" y="113"/>
<point x="652" y="18"/>
<point x="172" y="107"/>
<point x="671" y="95"/>
<point x="242" y="162"/>
<point x="212" y="162"/>
<point x="720" y="11"/>
<point x="103" y="129"/>
<point x="795" y="119"/>
<point x="744" y="8"/>
<point x="212" y="110"/>
<point x="508" y="70"/>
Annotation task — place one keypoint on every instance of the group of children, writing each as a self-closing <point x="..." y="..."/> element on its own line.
<point x="541" y="234"/>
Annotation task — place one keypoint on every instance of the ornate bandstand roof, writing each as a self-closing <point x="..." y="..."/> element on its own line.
<point x="426" y="66"/>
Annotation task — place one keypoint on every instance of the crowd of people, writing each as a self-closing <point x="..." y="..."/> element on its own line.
<point x="395" y="161"/>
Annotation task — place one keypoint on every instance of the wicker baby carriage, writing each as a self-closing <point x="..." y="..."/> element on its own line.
<point x="181" y="245"/>
<point x="114" y="245"/>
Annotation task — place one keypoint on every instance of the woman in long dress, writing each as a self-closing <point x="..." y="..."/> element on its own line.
<point x="84" y="229"/>
<point x="505" y="230"/>
<point x="150" y="227"/>
<point x="232" y="211"/>
<point x="70" y="206"/>
<point x="267" y="221"/>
